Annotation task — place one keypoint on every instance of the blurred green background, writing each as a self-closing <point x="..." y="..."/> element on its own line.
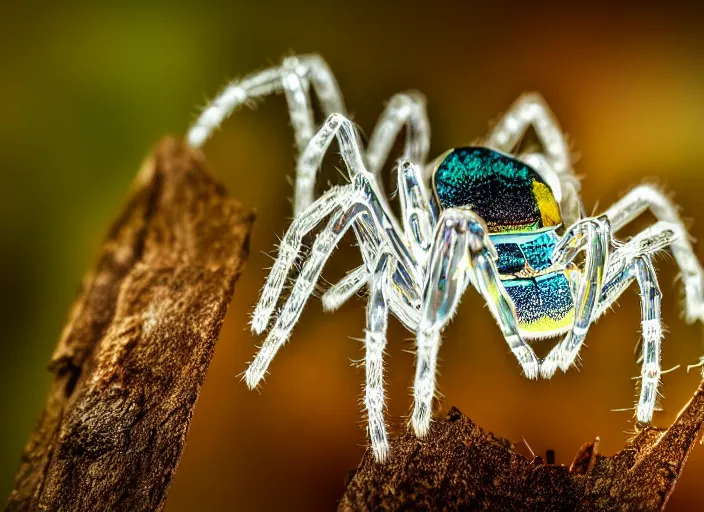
<point x="86" y="92"/>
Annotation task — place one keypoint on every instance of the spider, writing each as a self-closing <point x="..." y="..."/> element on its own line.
<point x="508" y="223"/>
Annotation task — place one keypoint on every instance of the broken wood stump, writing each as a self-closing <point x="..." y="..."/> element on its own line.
<point x="461" y="466"/>
<point x="137" y="344"/>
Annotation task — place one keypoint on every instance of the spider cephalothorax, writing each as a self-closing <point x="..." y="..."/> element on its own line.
<point x="508" y="223"/>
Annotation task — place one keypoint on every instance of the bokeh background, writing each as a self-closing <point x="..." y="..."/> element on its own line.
<point x="86" y="92"/>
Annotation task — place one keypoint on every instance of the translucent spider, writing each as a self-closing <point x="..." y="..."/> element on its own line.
<point x="510" y="225"/>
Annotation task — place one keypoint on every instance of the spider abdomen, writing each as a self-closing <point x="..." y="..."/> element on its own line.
<point x="506" y="193"/>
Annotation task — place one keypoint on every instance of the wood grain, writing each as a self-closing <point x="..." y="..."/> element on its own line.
<point x="137" y="344"/>
<point x="461" y="466"/>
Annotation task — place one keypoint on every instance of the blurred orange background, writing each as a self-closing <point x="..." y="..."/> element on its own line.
<point x="85" y="93"/>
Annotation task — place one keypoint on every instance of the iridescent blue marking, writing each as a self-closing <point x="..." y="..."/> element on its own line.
<point x="511" y="258"/>
<point x="509" y="195"/>
<point x="544" y="304"/>
<point x="539" y="250"/>
<point x="529" y="251"/>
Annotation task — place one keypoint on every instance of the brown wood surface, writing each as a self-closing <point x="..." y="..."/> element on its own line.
<point x="137" y="344"/>
<point x="460" y="466"/>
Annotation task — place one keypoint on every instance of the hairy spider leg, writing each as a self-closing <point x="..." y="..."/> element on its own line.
<point x="345" y="288"/>
<point x="407" y="110"/>
<point x="373" y="231"/>
<point x="648" y="197"/>
<point x="349" y="204"/>
<point x="289" y="249"/>
<point x="357" y="205"/>
<point x="293" y="77"/>
<point x="375" y="343"/>
<point x="323" y="246"/>
<point x="631" y="263"/>
<point x="633" y="204"/>
<point x="651" y="325"/>
<point x="378" y="224"/>
<point x="628" y="263"/>
<point x="633" y="260"/>
<point x="593" y="236"/>
<point x="418" y="217"/>
<point x="461" y="253"/>
<point x="339" y="128"/>
<point x="403" y="110"/>
<point x="336" y="126"/>
<point x="446" y="281"/>
<point x="530" y="109"/>
<point x="404" y="290"/>
<point x="418" y="224"/>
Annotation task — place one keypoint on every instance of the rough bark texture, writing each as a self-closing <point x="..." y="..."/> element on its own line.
<point x="137" y="344"/>
<point x="460" y="466"/>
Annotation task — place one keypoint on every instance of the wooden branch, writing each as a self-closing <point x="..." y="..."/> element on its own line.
<point x="460" y="466"/>
<point x="137" y="344"/>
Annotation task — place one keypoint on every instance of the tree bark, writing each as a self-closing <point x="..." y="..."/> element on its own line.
<point x="137" y="344"/>
<point x="460" y="466"/>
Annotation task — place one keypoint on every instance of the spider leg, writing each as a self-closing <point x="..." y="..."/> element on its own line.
<point x="637" y="266"/>
<point x="404" y="295"/>
<point x="358" y="201"/>
<point x="377" y="234"/>
<point x="294" y="77"/>
<point x="646" y="197"/>
<point x="336" y="126"/>
<point x="447" y="278"/>
<point x="530" y="109"/>
<point x="289" y="250"/>
<point x="652" y="338"/>
<point x="593" y="236"/>
<point x="321" y="250"/>
<point x="345" y="288"/>
<point x="461" y="253"/>
<point x="404" y="109"/>
<point x="418" y="217"/>
<point x="418" y="222"/>
<point x="632" y="262"/>
<point x="375" y="342"/>
<point x="382" y="226"/>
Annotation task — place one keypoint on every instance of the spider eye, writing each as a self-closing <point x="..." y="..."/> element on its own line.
<point x="508" y="194"/>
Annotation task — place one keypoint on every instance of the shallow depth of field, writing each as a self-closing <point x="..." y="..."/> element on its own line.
<point x="85" y="93"/>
